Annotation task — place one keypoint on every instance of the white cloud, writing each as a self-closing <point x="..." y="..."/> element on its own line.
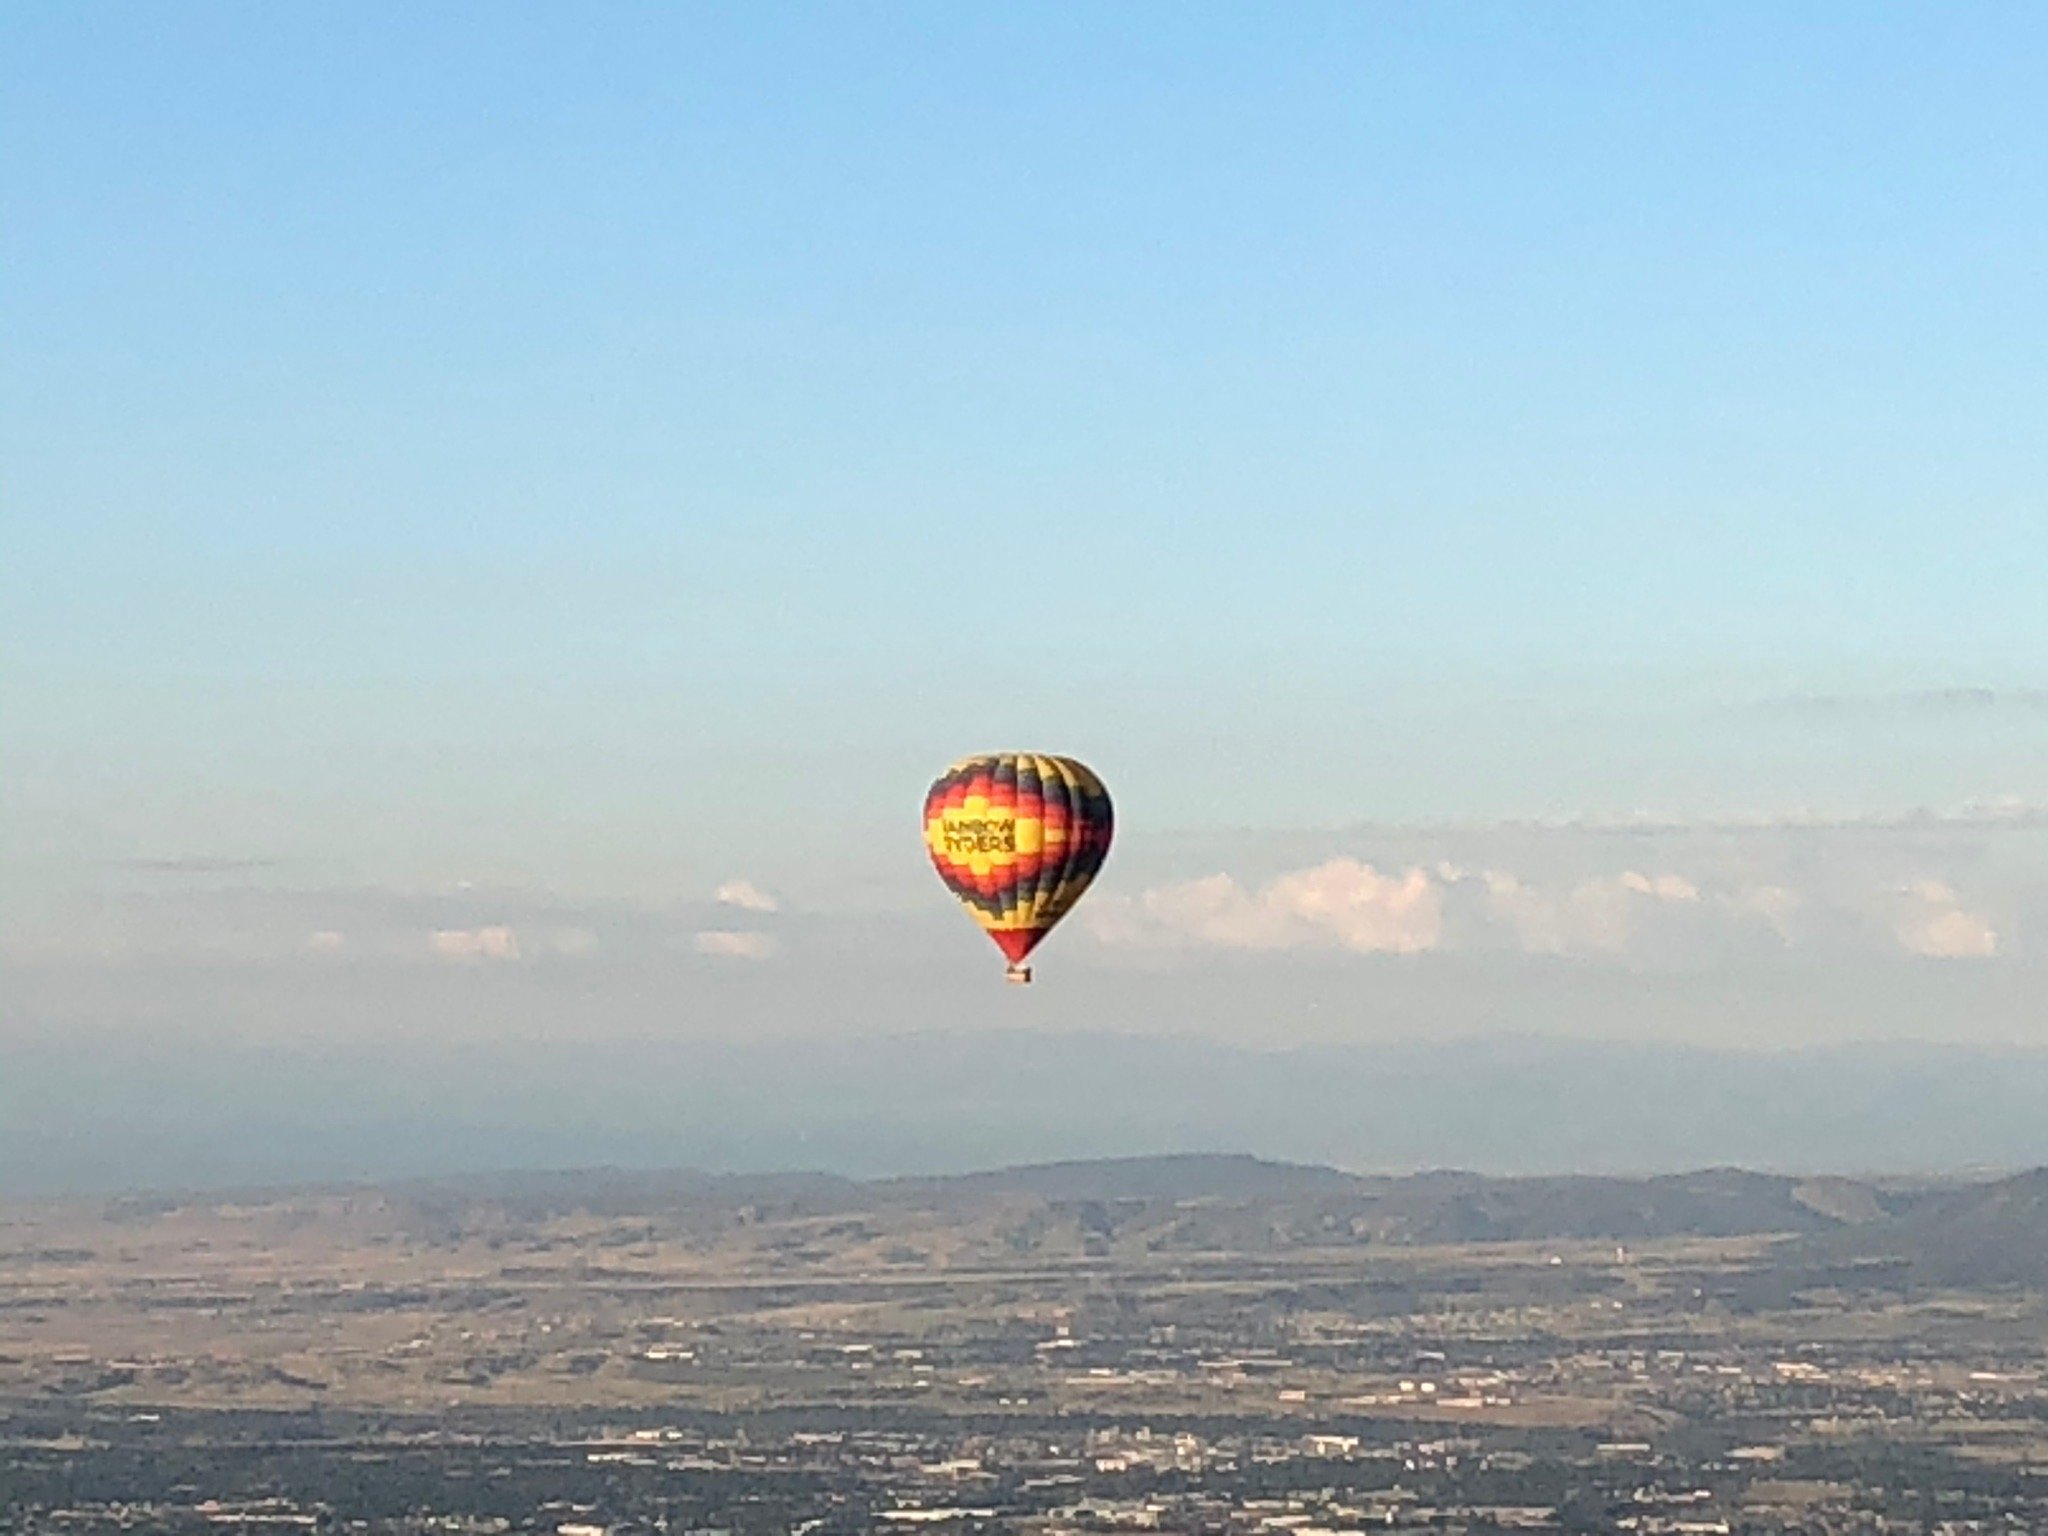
<point x="747" y="896"/>
<point x="1932" y="921"/>
<point x="326" y="941"/>
<point x="1342" y="903"/>
<point x="1366" y="910"/>
<point x="1598" y="915"/>
<point x="735" y="945"/>
<point x="491" y="943"/>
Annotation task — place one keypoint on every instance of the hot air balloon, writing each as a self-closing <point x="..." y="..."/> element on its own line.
<point x="1017" y="837"/>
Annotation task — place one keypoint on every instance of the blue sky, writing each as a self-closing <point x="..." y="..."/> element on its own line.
<point x="592" y="456"/>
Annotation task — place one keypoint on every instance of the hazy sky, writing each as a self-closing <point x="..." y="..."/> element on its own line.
<point x="1536" y="512"/>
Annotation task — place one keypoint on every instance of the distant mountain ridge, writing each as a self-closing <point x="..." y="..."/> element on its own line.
<point x="1977" y="1234"/>
<point x="1990" y="1231"/>
<point x="1175" y="1176"/>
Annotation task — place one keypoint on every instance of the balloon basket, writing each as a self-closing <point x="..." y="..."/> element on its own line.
<point x="1018" y="975"/>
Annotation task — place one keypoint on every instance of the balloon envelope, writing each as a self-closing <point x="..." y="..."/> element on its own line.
<point x="1017" y="837"/>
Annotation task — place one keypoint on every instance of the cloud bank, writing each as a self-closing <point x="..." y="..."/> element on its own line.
<point x="1341" y="903"/>
<point x="1347" y="904"/>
